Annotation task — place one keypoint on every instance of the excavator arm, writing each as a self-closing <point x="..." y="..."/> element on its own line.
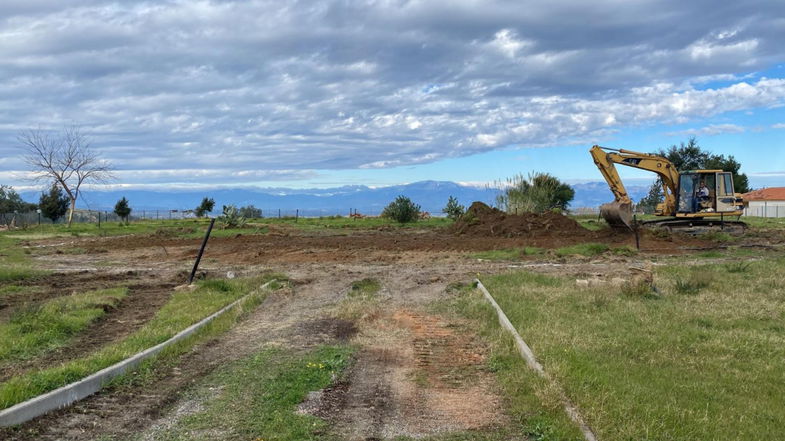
<point x="619" y="212"/>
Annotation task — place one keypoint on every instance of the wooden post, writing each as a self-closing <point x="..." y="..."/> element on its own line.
<point x="201" y="251"/>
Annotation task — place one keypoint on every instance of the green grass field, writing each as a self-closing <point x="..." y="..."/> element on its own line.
<point x="42" y="327"/>
<point x="182" y="310"/>
<point x="702" y="360"/>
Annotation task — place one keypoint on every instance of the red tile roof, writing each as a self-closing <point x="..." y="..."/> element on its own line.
<point x="766" y="194"/>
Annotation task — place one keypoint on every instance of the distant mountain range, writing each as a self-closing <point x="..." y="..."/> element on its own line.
<point x="431" y="195"/>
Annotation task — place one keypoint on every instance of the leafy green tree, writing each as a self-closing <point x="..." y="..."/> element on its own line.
<point x="649" y="203"/>
<point x="54" y="204"/>
<point x="122" y="209"/>
<point x="536" y="193"/>
<point x="250" y="212"/>
<point x="453" y="209"/>
<point x="402" y="210"/>
<point x="10" y="201"/>
<point x="205" y="207"/>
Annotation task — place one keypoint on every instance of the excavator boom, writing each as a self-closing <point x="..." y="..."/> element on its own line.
<point x="619" y="212"/>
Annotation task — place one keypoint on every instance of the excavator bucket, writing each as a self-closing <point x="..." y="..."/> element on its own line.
<point x="617" y="214"/>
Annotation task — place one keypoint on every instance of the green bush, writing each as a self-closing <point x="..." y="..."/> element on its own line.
<point x="231" y="217"/>
<point x="453" y="209"/>
<point x="402" y="210"/>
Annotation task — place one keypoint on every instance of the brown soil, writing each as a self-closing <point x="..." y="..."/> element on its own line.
<point x="415" y="375"/>
<point x="482" y="220"/>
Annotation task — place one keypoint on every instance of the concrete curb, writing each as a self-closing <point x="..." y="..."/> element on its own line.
<point x="68" y="394"/>
<point x="528" y="355"/>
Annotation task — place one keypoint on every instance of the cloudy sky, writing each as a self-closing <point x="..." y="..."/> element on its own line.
<point x="326" y="93"/>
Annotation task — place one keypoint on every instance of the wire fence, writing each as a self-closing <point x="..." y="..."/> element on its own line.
<point x="101" y="216"/>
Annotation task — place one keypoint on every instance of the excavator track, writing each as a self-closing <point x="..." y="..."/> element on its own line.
<point x="697" y="226"/>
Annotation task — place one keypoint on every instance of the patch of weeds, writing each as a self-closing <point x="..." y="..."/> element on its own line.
<point x="698" y="279"/>
<point x="638" y="289"/>
<point x="582" y="249"/>
<point x="11" y="289"/>
<point x="713" y="254"/>
<point x="738" y="267"/>
<point x="717" y="236"/>
<point x="660" y="233"/>
<point x="15" y="274"/>
<point x="624" y="251"/>
<point x="532" y="251"/>
<point x="365" y="288"/>
<point x="40" y="327"/>
<point x="461" y="287"/>
<point x="260" y="395"/>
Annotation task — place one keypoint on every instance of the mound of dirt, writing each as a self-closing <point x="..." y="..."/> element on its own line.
<point x="482" y="220"/>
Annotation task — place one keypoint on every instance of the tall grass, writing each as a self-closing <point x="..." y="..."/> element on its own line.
<point x="705" y="365"/>
<point x="183" y="309"/>
<point x="37" y="328"/>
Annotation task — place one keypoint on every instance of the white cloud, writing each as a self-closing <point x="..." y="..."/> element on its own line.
<point x="254" y="88"/>
<point x="778" y="126"/>
<point x="711" y="129"/>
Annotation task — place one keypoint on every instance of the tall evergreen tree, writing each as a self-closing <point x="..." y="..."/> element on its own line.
<point x="54" y="204"/>
<point x="122" y="209"/>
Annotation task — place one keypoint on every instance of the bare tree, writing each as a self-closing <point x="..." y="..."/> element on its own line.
<point x="66" y="159"/>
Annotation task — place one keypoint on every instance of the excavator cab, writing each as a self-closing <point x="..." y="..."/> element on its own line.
<point x="702" y="192"/>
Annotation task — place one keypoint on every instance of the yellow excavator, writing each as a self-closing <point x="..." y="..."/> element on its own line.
<point x="695" y="201"/>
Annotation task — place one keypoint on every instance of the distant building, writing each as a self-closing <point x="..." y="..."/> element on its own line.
<point x="766" y="202"/>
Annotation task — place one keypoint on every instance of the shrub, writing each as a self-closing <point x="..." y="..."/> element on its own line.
<point x="402" y="210"/>
<point x="231" y="217"/>
<point x="698" y="279"/>
<point x="453" y="209"/>
<point x="539" y="192"/>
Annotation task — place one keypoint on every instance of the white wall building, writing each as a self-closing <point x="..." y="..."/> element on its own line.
<point x="767" y="202"/>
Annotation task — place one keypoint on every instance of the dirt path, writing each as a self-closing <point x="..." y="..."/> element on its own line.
<point x="299" y="318"/>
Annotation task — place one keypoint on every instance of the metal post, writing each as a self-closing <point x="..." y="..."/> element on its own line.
<point x="296" y="214"/>
<point x="201" y="251"/>
<point x="722" y="221"/>
<point x="99" y="219"/>
<point x="279" y="213"/>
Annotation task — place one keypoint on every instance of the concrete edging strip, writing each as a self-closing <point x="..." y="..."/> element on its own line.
<point x="528" y="355"/>
<point x="68" y="394"/>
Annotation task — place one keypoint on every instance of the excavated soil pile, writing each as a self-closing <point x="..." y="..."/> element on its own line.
<point x="482" y="220"/>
